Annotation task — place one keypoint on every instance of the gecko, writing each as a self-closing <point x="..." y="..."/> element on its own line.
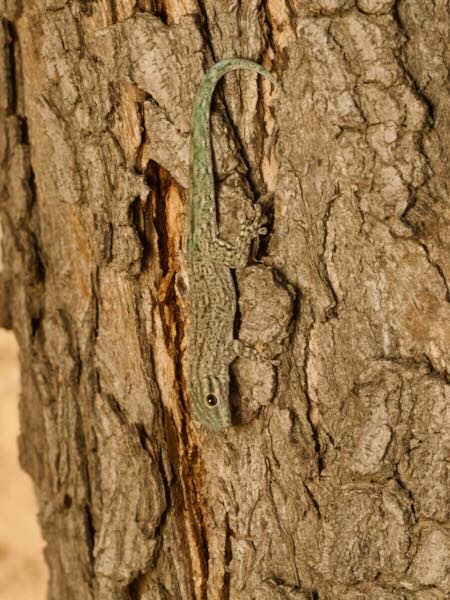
<point x="212" y="295"/>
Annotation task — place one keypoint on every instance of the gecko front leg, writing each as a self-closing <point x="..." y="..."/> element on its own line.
<point x="238" y="348"/>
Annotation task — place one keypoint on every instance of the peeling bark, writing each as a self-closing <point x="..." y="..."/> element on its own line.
<point x="333" y="484"/>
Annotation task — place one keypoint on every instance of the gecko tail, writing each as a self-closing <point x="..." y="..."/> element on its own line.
<point x="233" y="64"/>
<point x="201" y="168"/>
<point x="206" y="90"/>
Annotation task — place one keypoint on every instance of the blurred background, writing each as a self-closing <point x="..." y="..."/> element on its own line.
<point x="23" y="574"/>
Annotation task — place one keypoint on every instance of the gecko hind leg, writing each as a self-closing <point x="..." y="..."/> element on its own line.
<point x="235" y="255"/>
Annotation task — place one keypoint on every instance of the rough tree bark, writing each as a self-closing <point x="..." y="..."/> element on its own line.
<point x="333" y="484"/>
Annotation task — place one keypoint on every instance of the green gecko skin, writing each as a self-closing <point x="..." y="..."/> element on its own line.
<point x="212" y="294"/>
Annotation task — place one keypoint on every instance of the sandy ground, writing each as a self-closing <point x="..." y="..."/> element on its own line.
<point x="23" y="573"/>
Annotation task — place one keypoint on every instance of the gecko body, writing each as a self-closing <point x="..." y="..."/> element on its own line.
<point x="211" y="344"/>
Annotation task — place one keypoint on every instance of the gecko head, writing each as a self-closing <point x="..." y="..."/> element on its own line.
<point x="212" y="407"/>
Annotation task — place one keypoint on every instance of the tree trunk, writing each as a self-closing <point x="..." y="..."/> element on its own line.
<point x="332" y="483"/>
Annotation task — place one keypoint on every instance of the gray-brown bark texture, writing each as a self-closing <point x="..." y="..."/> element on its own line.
<point x="333" y="483"/>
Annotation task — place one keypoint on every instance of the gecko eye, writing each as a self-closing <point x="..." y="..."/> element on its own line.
<point x="211" y="400"/>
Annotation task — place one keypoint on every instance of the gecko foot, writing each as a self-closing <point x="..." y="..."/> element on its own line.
<point x="240" y="348"/>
